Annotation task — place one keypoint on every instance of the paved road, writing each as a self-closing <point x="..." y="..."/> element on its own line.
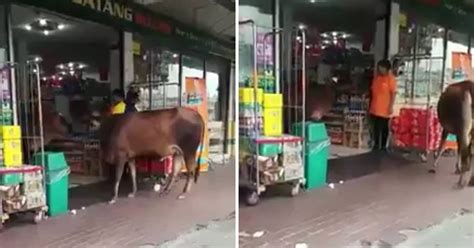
<point x="147" y="219"/>
<point x="377" y="207"/>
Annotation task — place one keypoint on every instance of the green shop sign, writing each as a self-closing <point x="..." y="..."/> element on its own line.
<point x="137" y="18"/>
<point x="453" y="14"/>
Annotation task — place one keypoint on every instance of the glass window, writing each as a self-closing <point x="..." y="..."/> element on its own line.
<point x="3" y="37"/>
<point x="262" y="14"/>
<point x="419" y="70"/>
<point x="156" y="75"/>
<point x="457" y="57"/>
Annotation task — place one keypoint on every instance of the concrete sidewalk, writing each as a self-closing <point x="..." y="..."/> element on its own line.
<point x="456" y="232"/>
<point x="401" y="196"/>
<point x="146" y="219"/>
<point x="219" y="233"/>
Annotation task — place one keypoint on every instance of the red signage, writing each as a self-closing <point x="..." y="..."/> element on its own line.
<point x="151" y="22"/>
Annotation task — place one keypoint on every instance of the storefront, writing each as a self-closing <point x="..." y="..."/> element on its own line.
<point x="89" y="48"/>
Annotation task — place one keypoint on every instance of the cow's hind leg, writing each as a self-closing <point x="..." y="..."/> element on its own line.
<point x="440" y="151"/>
<point x="133" y="176"/>
<point x="118" y="177"/>
<point x="190" y="167"/>
<point x="171" y="179"/>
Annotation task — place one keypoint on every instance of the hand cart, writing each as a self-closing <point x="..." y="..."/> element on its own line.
<point x="414" y="99"/>
<point x="251" y="171"/>
<point x="252" y="168"/>
<point x="39" y="210"/>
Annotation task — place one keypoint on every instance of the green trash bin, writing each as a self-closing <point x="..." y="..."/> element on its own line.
<point x="316" y="164"/>
<point x="316" y="153"/>
<point x="57" y="182"/>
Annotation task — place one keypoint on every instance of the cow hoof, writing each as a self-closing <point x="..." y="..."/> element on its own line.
<point x="113" y="201"/>
<point x="432" y="171"/>
<point x="131" y="195"/>
<point x="471" y="182"/>
<point x="181" y="197"/>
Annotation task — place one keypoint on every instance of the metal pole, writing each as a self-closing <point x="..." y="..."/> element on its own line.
<point x="255" y="96"/>
<point x="413" y="72"/>
<point x="303" y="85"/>
<point x="273" y="33"/>
<point x="40" y="117"/>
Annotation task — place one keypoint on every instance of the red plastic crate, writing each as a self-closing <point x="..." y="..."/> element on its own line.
<point x="155" y="166"/>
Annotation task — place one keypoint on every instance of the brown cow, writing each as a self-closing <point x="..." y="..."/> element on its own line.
<point x="173" y="132"/>
<point x="455" y="112"/>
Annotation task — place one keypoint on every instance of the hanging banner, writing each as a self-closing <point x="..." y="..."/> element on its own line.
<point x="264" y="51"/>
<point x="196" y="98"/>
<point x="461" y="66"/>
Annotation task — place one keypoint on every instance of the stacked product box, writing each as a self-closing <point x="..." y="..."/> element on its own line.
<point x="247" y="107"/>
<point x="33" y="190"/>
<point x="11" y="153"/>
<point x="292" y="161"/>
<point x="417" y="128"/>
<point x="272" y="115"/>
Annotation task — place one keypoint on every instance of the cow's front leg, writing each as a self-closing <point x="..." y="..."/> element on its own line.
<point x="133" y="176"/>
<point x="118" y="177"/>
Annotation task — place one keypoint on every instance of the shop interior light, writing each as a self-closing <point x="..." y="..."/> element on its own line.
<point x="302" y="26"/>
<point x="43" y="22"/>
<point x="175" y="55"/>
<point x="44" y="26"/>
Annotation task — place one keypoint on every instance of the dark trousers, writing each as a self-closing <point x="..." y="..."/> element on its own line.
<point x="380" y="132"/>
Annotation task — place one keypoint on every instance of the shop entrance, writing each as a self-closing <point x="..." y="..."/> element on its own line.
<point x="80" y="66"/>
<point x="341" y="53"/>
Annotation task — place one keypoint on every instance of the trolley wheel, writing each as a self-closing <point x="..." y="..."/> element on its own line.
<point x="39" y="216"/>
<point x="295" y="189"/>
<point x="252" y="198"/>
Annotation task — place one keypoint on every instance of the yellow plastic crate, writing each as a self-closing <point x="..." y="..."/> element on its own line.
<point x="273" y="121"/>
<point x="246" y="95"/>
<point x="271" y="100"/>
<point x="12" y="159"/>
<point x="10" y="132"/>
<point x="13" y="145"/>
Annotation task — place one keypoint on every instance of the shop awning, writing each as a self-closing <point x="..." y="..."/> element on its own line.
<point x="453" y="14"/>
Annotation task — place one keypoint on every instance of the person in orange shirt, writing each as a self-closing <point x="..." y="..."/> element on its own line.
<point x="382" y="99"/>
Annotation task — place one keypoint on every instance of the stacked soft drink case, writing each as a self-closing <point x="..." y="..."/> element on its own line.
<point x="416" y="128"/>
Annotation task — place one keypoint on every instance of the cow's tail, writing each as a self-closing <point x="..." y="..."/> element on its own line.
<point x="467" y="115"/>
<point x="198" y="167"/>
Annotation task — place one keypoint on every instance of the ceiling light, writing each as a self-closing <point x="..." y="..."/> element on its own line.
<point x="312" y="1"/>
<point x="70" y="65"/>
<point x="46" y="32"/>
<point x="334" y="33"/>
<point x="45" y="78"/>
<point x="28" y="27"/>
<point x="43" y="22"/>
<point x="175" y="55"/>
<point x="301" y="26"/>
<point x="60" y="78"/>
<point x="61" y="26"/>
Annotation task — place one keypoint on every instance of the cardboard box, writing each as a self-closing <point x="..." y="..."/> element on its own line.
<point x="12" y="146"/>
<point x="10" y="132"/>
<point x="12" y="159"/>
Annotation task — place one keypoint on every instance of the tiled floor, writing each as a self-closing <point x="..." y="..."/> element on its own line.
<point x="147" y="219"/>
<point x="399" y="195"/>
